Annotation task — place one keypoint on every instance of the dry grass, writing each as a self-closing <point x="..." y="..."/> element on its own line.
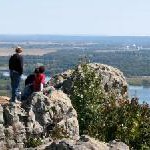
<point x="4" y="100"/>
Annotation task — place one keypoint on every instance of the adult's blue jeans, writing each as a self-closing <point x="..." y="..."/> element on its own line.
<point x="15" y="85"/>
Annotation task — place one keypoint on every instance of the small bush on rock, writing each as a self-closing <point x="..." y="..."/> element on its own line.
<point x="100" y="116"/>
<point x="33" y="142"/>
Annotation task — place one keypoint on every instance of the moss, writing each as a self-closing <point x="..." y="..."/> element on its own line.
<point x="33" y="142"/>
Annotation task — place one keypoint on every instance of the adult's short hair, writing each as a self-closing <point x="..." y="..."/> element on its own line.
<point x="18" y="49"/>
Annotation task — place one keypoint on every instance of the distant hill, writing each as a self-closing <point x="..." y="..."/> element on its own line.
<point x="106" y="39"/>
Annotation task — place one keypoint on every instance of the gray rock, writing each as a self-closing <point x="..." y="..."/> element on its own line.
<point x="112" y="79"/>
<point x="56" y="111"/>
<point x="41" y="116"/>
<point x="85" y="143"/>
<point x="118" y="146"/>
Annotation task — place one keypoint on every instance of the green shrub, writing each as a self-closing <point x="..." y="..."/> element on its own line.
<point x="101" y="117"/>
<point x="33" y="142"/>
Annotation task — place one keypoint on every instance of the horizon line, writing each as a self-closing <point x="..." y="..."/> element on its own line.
<point x="80" y="35"/>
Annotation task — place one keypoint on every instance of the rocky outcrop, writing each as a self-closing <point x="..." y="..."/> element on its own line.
<point x="42" y="120"/>
<point x="85" y="143"/>
<point x="37" y="121"/>
<point x="112" y="79"/>
<point x="49" y="115"/>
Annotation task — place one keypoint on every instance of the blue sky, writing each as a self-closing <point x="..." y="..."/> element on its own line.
<point x="77" y="17"/>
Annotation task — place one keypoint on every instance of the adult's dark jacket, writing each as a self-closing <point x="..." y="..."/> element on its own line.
<point x="30" y="79"/>
<point x="16" y="63"/>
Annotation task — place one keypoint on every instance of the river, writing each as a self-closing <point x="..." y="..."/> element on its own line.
<point x="142" y="92"/>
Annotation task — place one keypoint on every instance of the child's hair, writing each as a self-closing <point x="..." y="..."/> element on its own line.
<point x="41" y="69"/>
<point x="36" y="70"/>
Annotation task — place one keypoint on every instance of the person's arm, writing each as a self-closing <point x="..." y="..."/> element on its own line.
<point x="20" y="64"/>
<point x="41" y="87"/>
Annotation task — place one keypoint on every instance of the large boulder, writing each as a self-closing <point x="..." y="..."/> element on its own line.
<point x="54" y="111"/>
<point x="112" y="79"/>
<point x="38" y="120"/>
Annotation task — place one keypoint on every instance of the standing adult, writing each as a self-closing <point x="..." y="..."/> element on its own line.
<point x="16" y="70"/>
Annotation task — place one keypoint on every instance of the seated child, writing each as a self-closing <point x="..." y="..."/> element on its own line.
<point x="39" y="81"/>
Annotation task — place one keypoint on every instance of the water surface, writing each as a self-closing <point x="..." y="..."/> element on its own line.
<point x="142" y="92"/>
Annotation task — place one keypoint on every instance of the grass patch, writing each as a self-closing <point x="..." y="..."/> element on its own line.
<point x="139" y="81"/>
<point x="5" y="93"/>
